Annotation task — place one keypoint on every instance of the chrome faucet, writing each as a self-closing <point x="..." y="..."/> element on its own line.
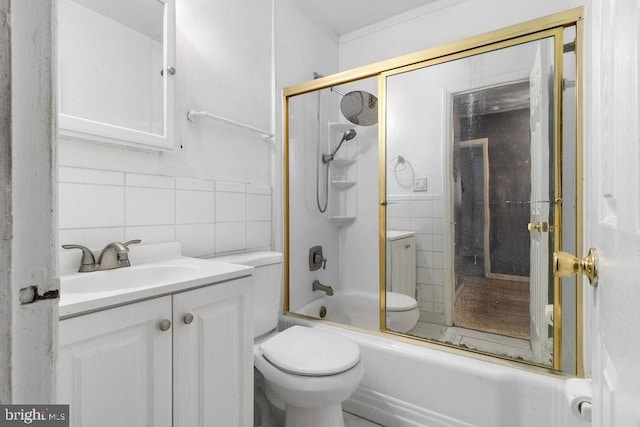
<point x="114" y="255"/>
<point x="317" y="286"/>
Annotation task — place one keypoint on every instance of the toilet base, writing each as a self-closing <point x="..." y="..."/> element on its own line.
<point x="326" y="416"/>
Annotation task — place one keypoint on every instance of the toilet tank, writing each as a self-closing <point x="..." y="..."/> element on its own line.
<point x="267" y="287"/>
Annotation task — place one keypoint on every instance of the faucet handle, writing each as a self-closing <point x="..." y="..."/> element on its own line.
<point x="87" y="256"/>
<point x="132" y="242"/>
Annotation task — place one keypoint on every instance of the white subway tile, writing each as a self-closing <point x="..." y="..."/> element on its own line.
<point x="258" y="189"/>
<point x="424" y="259"/>
<point x="153" y="181"/>
<point x="231" y="187"/>
<point x="197" y="239"/>
<point x="438" y="260"/>
<point x="258" y="207"/>
<point x="258" y="234"/>
<point x="231" y="207"/>
<point x="424" y="241"/>
<point x="400" y="224"/>
<point x="90" y="176"/>
<point x="195" y="207"/>
<point x="399" y="209"/>
<point x="438" y="277"/>
<point x="150" y="206"/>
<point x="152" y="234"/>
<point x="438" y="242"/>
<point x="422" y="225"/>
<point x="438" y="226"/>
<point x="230" y="236"/>
<point x="438" y="294"/>
<point x="424" y="275"/>
<point x="425" y="293"/>
<point x="90" y="206"/>
<point x="421" y="209"/>
<point x="93" y="238"/>
<point x="195" y="184"/>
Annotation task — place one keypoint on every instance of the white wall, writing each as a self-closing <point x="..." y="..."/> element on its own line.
<point x="302" y="48"/>
<point x="223" y="66"/>
<point x="441" y="22"/>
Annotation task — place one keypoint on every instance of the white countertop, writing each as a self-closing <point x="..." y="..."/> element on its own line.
<point x="145" y="279"/>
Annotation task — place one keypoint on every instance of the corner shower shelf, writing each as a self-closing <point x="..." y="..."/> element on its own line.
<point x="343" y="184"/>
<point x="341" y="220"/>
<point x="343" y="162"/>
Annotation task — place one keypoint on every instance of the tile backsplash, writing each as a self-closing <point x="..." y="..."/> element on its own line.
<point x="207" y="217"/>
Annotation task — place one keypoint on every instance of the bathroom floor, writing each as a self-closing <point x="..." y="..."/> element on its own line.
<point x="351" y="420"/>
<point x="490" y="343"/>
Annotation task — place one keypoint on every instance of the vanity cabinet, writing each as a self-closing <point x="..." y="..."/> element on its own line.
<point x="183" y="360"/>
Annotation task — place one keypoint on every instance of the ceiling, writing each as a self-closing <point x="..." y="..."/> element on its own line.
<point x="344" y="16"/>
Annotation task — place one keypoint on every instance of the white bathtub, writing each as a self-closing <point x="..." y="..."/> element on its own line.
<point x="414" y="385"/>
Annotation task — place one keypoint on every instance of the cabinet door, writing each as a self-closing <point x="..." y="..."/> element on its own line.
<point x="114" y="366"/>
<point x="213" y="356"/>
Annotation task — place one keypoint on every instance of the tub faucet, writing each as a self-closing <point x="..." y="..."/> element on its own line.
<point x="114" y="255"/>
<point x="317" y="286"/>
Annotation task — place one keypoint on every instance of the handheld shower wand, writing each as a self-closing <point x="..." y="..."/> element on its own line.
<point x="347" y="136"/>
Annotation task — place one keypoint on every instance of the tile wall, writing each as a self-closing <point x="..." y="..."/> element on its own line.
<point x="424" y="215"/>
<point x="207" y="217"/>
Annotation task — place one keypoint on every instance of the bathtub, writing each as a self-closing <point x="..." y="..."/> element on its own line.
<point x="414" y="385"/>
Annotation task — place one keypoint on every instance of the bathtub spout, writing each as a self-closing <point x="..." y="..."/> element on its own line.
<point x="317" y="286"/>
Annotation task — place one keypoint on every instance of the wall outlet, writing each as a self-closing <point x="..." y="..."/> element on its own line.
<point x="420" y="184"/>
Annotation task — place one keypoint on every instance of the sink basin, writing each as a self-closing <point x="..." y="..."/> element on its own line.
<point x="130" y="277"/>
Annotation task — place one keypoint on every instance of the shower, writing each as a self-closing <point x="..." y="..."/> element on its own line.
<point x="326" y="159"/>
<point x="347" y="136"/>
<point x="358" y="107"/>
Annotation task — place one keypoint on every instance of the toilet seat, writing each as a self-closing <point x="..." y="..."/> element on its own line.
<point x="310" y="352"/>
<point x="400" y="302"/>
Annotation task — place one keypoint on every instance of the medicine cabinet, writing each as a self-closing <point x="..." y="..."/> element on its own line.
<point x="116" y="66"/>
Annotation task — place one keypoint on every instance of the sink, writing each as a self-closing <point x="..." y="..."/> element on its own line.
<point x="131" y="277"/>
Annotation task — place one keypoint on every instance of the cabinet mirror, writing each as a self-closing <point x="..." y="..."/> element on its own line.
<point x="116" y="71"/>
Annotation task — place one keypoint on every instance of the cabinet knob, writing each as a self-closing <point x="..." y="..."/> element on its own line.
<point x="188" y="318"/>
<point x="165" y="325"/>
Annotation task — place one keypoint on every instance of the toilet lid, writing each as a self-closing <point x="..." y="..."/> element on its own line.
<point x="400" y="302"/>
<point x="311" y="352"/>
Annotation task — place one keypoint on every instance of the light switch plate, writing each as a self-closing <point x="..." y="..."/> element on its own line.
<point x="420" y="184"/>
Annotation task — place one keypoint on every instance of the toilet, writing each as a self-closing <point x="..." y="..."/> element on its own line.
<point x="307" y="372"/>
<point x="402" y="312"/>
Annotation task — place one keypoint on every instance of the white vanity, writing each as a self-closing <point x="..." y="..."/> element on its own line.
<point x="168" y="344"/>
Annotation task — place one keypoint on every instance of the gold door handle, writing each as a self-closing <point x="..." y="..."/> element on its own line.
<point x="565" y="264"/>
<point x="539" y="226"/>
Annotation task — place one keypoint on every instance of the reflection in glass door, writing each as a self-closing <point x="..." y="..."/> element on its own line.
<point x="482" y="218"/>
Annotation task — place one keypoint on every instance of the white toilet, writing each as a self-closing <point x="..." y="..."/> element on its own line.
<point x="307" y="372"/>
<point x="402" y="312"/>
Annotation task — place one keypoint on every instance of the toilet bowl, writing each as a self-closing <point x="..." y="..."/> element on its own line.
<point x="307" y="372"/>
<point x="402" y="312"/>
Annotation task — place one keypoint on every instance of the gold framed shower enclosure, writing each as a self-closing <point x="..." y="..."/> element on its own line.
<point x="549" y="26"/>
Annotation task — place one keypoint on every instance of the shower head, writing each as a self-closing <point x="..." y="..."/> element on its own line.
<point x="347" y="136"/>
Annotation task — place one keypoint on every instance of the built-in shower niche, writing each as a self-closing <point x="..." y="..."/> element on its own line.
<point x="343" y="174"/>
